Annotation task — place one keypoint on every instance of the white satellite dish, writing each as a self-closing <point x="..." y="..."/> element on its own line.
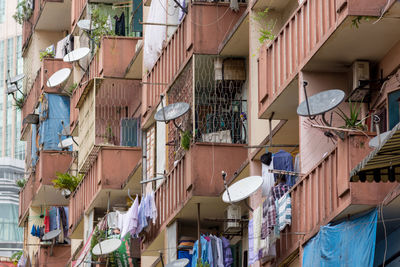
<point x="84" y="24"/>
<point x="106" y="246"/>
<point x="171" y="112"/>
<point x="66" y="143"/>
<point x="242" y="189"/>
<point x="16" y="78"/>
<point x="321" y="103"/>
<point x="178" y="263"/>
<point x="58" y="77"/>
<point x="51" y="235"/>
<point x="11" y="88"/>
<point x="76" y="54"/>
<point x="374" y="142"/>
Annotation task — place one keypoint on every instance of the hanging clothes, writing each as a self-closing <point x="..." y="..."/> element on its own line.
<point x="142" y="221"/>
<point x="257" y="221"/>
<point x="284" y="161"/>
<point x="137" y="17"/>
<point x="60" y="51"/>
<point x="47" y="222"/>
<point x="279" y="190"/>
<point x="268" y="178"/>
<point x="253" y="257"/>
<point x="296" y="167"/>
<point x="130" y="220"/>
<point x="220" y="249"/>
<point x="284" y="211"/>
<point x="228" y="258"/>
<point x="33" y="230"/>
<point x="120" y="25"/>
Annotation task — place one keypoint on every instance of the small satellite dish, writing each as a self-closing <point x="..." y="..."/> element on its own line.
<point x="66" y="143"/>
<point x="58" y="77"/>
<point x="51" y="235"/>
<point x="11" y="88"/>
<point x="171" y="112"/>
<point x="178" y="263"/>
<point x="374" y="142"/>
<point x="31" y="119"/>
<point x="84" y="24"/>
<point x="106" y="246"/>
<point x="76" y="54"/>
<point x="17" y="78"/>
<point x="242" y="189"/>
<point x="321" y="103"/>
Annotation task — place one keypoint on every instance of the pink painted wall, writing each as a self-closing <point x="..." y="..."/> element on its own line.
<point x="313" y="143"/>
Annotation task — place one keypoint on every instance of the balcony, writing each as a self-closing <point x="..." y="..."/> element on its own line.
<point x="109" y="169"/>
<point x="325" y="194"/>
<point x="110" y="61"/>
<point x="48" y="15"/>
<point x="195" y="178"/>
<point x="39" y="188"/>
<point x="60" y="257"/>
<point x="48" y="67"/>
<point x="319" y="36"/>
<point x="191" y="36"/>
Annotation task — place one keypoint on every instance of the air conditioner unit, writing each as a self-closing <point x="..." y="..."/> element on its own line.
<point x="360" y="73"/>
<point x="231" y="69"/>
<point x="232" y="212"/>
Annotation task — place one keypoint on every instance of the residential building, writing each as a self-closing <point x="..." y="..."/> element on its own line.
<point x="241" y="70"/>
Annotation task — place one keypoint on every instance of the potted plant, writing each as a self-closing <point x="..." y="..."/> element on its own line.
<point x="67" y="183"/>
<point x="46" y="54"/>
<point x="23" y="12"/>
<point x="109" y="135"/>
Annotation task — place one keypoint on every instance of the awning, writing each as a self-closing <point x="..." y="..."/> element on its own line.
<point x="383" y="163"/>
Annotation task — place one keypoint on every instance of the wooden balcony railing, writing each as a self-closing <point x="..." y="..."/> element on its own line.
<point x="191" y="36"/>
<point x="48" y="67"/>
<point x="109" y="170"/>
<point x="300" y="38"/>
<point x="325" y="192"/>
<point x="48" y="164"/>
<point x="192" y="176"/>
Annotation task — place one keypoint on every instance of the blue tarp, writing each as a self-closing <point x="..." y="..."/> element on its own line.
<point x="53" y="110"/>
<point x="350" y="243"/>
<point x="34" y="155"/>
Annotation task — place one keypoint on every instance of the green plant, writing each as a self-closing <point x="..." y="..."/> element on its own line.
<point x="46" y="54"/>
<point x="201" y="264"/>
<point x="355" y="22"/>
<point x="67" y="181"/>
<point x="99" y="20"/>
<point x="20" y="183"/>
<point x="23" y="12"/>
<point x="266" y="27"/>
<point x="15" y="257"/>
<point x="109" y="135"/>
<point x="19" y="102"/>
<point x="98" y="236"/>
<point x="72" y="87"/>
<point x="351" y="121"/>
<point x="185" y="140"/>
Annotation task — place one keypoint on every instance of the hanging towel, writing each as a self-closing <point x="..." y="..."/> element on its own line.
<point x="47" y="222"/>
<point x="130" y="219"/>
<point x="228" y="258"/>
<point x="257" y="220"/>
<point x="284" y="211"/>
<point x="268" y="178"/>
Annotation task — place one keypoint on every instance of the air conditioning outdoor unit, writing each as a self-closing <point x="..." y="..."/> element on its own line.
<point x="360" y="73"/>
<point x="232" y="212"/>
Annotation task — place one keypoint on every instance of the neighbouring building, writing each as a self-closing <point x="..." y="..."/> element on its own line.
<point x="99" y="75"/>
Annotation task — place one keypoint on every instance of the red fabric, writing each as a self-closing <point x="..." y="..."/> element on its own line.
<point x="47" y="222"/>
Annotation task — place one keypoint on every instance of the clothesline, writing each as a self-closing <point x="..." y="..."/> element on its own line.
<point x="286" y="172"/>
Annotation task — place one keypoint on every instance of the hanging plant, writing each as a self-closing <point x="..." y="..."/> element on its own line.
<point x="266" y="27"/>
<point x="20" y="183"/>
<point x="185" y="140"/>
<point x="19" y="102"/>
<point x="67" y="182"/>
<point x="23" y="12"/>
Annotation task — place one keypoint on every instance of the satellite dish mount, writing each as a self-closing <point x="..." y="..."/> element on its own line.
<point x="12" y="84"/>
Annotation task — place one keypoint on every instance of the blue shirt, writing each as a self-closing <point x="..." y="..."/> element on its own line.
<point x="284" y="161"/>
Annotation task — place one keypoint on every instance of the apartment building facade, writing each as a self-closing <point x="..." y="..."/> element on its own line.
<point x="240" y="68"/>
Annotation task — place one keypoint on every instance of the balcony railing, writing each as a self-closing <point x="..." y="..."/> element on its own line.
<point x="111" y="60"/>
<point x="29" y="25"/>
<point x="325" y="192"/>
<point x="191" y="36"/>
<point x="300" y="38"/>
<point x="48" y="164"/>
<point x="109" y="170"/>
<point x="192" y="176"/>
<point x="76" y="11"/>
<point x="48" y="67"/>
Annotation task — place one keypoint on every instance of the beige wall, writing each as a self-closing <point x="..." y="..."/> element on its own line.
<point x="10" y="28"/>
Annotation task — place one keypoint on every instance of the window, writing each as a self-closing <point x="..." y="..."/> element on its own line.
<point x="2" y="11"/>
